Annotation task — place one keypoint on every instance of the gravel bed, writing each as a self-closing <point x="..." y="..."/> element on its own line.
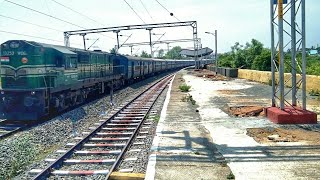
<point x="96" y="177"/>
<point x="308" y="127"/>
<point x="85" y="167"/>
<point x="93" y="157"/>
<point x="54" y="134"/>
<point x="140" y="165"/>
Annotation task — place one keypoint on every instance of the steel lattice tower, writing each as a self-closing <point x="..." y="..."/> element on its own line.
<point x="288" y="21"/>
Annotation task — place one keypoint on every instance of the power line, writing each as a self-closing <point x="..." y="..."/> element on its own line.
<point x="50" y="16"/>
<point x="140" y="17"/>
<point x="82" y="15"/>
<point x="171" y="14"/>
<point x="29" y="36"/>
<point x="149" y="15"/>
<point x="77" y="12"/>
<point x="43" y="13"/>
<point x="30" y="23"/>
<point x="146" y="10"/>
<point x="135" y="12"/>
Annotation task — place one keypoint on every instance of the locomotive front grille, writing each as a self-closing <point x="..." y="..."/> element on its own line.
<point x="16" y="83"/>
<point x="9" y="72"/>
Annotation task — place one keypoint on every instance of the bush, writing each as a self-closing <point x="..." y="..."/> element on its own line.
<point x="156" y="118"/>
<point x="184" y="88"/>
<point x="189" y="98"/>
<point x="230" y="176"/>
<point x="314" y="92"/>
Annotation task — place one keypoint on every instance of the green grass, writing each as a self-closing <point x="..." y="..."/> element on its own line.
<point x="188" y="98"/>
<point x="184" y="88"/>
<point x="314" y="92"/>
<point x="230" y="176"/>
<point x="156" y="118"/>
<point x="24" y="153"/>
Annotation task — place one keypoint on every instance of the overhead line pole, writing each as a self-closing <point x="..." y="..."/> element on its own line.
<point x="216" y="47"/>
<point x="132" y="27"/>
<point x="159" y="42"/>
<point x="303" y="40"/>
<point x="295" y="10"/>
<point x="281" y="54"/>
<point x="150" y="41"/>
<point x="149" y="27"/>
<point x="273" y="51"/>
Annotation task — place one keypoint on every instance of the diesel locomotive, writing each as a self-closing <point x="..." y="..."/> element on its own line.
<point x="38" y="79"/>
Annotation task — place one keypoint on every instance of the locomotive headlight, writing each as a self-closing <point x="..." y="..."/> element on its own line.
<point x="33" y="93"/>
<point x="2" y="92"/>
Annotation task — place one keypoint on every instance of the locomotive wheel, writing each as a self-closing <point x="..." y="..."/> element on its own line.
<point x="80" y="99"/>
<point x="74" y="100"/>
<point x="62" y="103"/>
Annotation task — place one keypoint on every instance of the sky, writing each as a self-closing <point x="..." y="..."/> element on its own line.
<point x="235" y="21"/>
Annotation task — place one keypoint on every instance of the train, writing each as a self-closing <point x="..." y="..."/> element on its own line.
<point x="38" y="79"/>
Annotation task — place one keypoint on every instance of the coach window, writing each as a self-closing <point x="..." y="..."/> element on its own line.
<point x="84" y="58"/>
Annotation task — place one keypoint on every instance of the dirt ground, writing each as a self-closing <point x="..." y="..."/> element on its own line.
<point x="273" y="135"/>
<point x="247" y="111"/>
<point x="241" y="109"/>
<point x="209" y="75"/>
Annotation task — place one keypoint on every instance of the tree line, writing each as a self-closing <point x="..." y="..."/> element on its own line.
<point x="173" y="53"/>
<point x="253" y="55"/>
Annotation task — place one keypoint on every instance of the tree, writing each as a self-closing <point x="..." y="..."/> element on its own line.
<point x="225" y="60"/>
<point x="254" y="56"/>
<point x="160" y="53"/>
<point x="262" y="62"/>
<point x="243" y="56"/>
<point x="144" y="54"/>
<point x="255" y="49"/>
<point x="113" y="50"/>
<point x="174" y="53"/>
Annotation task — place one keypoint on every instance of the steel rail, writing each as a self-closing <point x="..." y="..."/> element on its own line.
<point x="9" y="133"/>
<point x="8" y="127"/>
<point x="58" y="162"/>
<point x="118" y="160"/>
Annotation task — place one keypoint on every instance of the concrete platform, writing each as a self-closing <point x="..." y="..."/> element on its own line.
<point x="182" y="148"/>
<point x="207" y="143"/>
<point x="291" y="115"/>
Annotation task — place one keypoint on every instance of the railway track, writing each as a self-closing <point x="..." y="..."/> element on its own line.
<point x="111" y="138"/>
<point x="7" y="128"/>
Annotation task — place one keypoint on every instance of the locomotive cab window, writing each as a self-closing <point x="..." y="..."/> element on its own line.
<point x="71" y="62"/>
<point x="59" y="61"/>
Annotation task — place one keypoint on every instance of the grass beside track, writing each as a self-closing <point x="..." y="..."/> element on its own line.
<point x="24" y="153"/>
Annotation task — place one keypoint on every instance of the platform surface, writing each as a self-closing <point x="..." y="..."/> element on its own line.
<point x="183" y="136"/>
<point x="184" y="149"/>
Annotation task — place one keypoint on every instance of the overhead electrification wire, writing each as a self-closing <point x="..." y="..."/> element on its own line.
<point x="135" y="11"/>
<point x="29" y="36"/>
<point x="146" y="10"/>
<point x="171" y="14"/>
<point x="44" y="14"/>
<point x="77" y="12"/>
<point x="48" y="15"/>
<point x="30" y="23"/>
<point x="82" y="15"/>
<point x="150" y="17"/>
